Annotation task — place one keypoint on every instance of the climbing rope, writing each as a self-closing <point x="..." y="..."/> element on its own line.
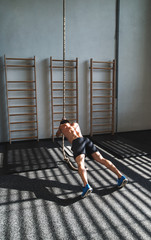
<point x="64" y="86"/>
<point x="64" y="72"/>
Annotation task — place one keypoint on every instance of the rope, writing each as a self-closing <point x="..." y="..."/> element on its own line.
<point x="64" y="80"/>
<point x="64" y="54"/>
<point x="64" y="72"/>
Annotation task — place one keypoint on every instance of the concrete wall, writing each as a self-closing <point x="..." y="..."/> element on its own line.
<point x="34" y="27"/>
<point x="134" y="89"/>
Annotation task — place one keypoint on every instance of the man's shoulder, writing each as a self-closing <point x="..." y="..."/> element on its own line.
<point x="63" y="126"/>
<point x="75" y="124"/>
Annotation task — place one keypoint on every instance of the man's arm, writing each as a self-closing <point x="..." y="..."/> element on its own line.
<point x="58" y="133"/>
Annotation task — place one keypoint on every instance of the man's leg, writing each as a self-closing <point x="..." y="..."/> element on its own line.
<point x="81" y="168"/>
<point x="121" y="178"/>
<point x="83" y="174"/>
<point x="99" y="158"/>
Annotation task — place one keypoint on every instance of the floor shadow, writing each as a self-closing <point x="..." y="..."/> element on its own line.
<point x="119" y="146"/>
<point x="29" y="156"/>
<point x="105" y="191"/>
<point x="43" y="189"/>
<point x="49" y="190"/>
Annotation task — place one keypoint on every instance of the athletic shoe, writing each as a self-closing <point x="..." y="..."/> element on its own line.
<point x="121" y="182"/>
<point x="86" y="191"/>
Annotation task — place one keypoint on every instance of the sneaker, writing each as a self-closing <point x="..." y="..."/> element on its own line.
<point x="86" y="191"/>
<point x="121" y="182"/>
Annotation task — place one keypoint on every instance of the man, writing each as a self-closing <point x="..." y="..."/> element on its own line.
<point x="82" y="146"/>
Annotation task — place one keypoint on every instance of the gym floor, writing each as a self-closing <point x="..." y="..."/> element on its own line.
<point x="40" y="195"/>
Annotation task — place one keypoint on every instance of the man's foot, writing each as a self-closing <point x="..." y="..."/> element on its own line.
<point x="86" y="191"/>
<point x="121" y="182"/>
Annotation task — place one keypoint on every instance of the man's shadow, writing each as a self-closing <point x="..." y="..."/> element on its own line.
<point x="106" y="190"/>
<point x="43" y="189"/>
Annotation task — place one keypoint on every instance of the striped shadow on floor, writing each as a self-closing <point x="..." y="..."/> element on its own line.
<point x="29" y="156"/>
<point x="118" y="146"/>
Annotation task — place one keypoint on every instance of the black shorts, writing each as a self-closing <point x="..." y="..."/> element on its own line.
<point x="83" y="145"/>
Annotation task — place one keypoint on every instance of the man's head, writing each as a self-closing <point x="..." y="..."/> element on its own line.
<point x="64" y="120"/>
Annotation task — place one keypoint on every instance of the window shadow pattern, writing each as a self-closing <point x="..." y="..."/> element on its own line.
<point x="29" y="156"/>
<point x="119" y="146"/>
<point x="46" y="204"/>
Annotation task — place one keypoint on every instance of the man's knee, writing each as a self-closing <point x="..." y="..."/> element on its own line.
<point x="80" y="159"/>
<point x="97" y="155"/>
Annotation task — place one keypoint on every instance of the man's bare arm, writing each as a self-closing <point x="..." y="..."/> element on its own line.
<point x="58" y="133"/>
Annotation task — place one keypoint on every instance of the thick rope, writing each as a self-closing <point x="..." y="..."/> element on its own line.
<point x="64" y="54"/>
<point x="64" y="72"/>
<point x="64" y="80"/>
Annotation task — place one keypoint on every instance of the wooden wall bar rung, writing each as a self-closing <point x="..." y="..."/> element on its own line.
<point x="21" y="106"/>
<point x="68" y="97"/>
<point x="59" y="60"/>
<point x="105" y="124"/>
<point x="22" y="114"/>
<point x="100" y="89"/>
<point x="62" y="112"/>
<point x="57" y="120"/>
<point x="23" y="66"/>
<point x="28" y="59"/>
<point x="101" y="118"/>
<point x="99" y="68"/>
<point x="103" y="98"/>
<point x="21" y="138"/>
<point x="108" y="110"/>
<point x="19" y="98"/>
<point x="72" y="119"/>
<point x="20" y="81"/>
<point x="101" y="132"/>
<point x="28" y="93"/>
<point x="63" y="67"/>
<point x="24" y="130"/>
<point x="55" y="128"/>
<point x="23" y="122"/>
<point x="66" y="82"/>
<point x="20" y="90"/>
<point x="58" y="112"/>
<point x="99" y="104"/>
<point x="61" y="105"/>
<point x="68" y="89"/>
<point x="71" y="108"/>
<point x="108" y="62"/>
<point x="102" y="82"/>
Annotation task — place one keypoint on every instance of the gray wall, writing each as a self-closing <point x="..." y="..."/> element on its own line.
<point x="134" y="98"/>
<point x="34" y="27"/>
